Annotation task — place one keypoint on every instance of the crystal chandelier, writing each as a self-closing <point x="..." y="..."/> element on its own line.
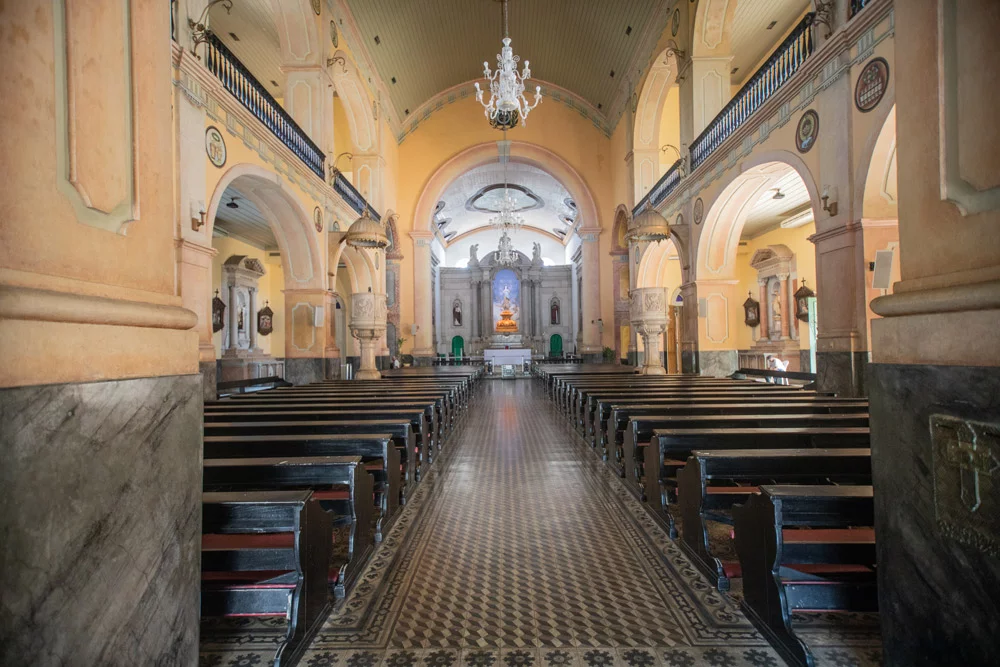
<point x="506" y="255"/>
<point x="507" y="103"/>
<point x="507" y="217"/>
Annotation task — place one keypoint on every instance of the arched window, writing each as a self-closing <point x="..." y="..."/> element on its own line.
<point x="555" y="316"/>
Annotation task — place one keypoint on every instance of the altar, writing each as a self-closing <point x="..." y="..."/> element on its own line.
<point x="515" y="357"/>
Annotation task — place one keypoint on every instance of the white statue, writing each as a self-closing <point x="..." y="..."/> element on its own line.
<point x="536" y="253"/>
<point x="473" y="252"/>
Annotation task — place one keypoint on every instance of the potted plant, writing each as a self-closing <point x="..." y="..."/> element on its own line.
<point x="609" y="355"/>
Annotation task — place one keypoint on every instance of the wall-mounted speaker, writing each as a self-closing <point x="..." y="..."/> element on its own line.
<point x="882" y="276"/>
<point x="318" y="316"/>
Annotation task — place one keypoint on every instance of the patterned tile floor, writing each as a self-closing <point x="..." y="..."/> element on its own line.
<point x="520" y="549"/>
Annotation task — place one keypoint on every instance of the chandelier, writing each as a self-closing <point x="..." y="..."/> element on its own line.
<point x="506" y="255"/>
<point x="507" y="103"/>
<point x="507" y="217"/>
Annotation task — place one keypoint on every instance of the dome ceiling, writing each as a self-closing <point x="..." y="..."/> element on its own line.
<point x="423" y="48"/>
<point x="471" y="200"/>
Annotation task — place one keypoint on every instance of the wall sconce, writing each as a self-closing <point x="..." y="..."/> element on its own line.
<point x="340" y="60"/>
<point x="198" y="214"/>
<point x="830" y="192"/>
<point x="199" y="29"/>
<point x="333" y="166"/>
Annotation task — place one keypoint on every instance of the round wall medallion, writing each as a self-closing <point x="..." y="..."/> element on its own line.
<point x="334" y="37"/>
<point x="807" y="131"/>
<point x="675" y="23"/>
<point x="215" y="146"/>
<point x="872" y="84"/>
<point x="318" y="219"/>
<point x="317" y="6"/>
<point x="699" y="211"/>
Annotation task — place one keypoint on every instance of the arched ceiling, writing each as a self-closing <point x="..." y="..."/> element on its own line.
<point x="791" y="207"/>
<point x="471" y="200"/>
<point x="432" y="45"/>
<point x="758" y="27"/>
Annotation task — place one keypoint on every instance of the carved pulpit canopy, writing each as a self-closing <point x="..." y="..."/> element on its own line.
<point x="248" y="268"/>
<point x="772" y="260"/>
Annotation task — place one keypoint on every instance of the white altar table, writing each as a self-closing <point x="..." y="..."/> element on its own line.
<point x="515" y="356"/>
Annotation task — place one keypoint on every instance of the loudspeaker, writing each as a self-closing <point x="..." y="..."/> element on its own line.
<point x="318" y="316"/>
<point x="882" y="276"/>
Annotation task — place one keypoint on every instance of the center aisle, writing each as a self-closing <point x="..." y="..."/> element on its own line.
<point x="520" y="549"/>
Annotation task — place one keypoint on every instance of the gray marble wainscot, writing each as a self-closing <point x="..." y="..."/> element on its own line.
<point x="718" y="363"/>
<point x="100" y="521"/>
<point x="937" y="525"/>
<point x="304" y="370"/>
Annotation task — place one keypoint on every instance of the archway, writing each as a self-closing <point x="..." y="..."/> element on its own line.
<point x="656" y="137"/>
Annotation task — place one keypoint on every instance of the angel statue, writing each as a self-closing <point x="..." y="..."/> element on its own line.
<point x="536" y="253"/>
<point x="473" y="252"/>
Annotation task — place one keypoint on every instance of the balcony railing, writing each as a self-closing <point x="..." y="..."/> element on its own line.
<point x="350" y="195"/>
<point x="667" y="183"/>
<point x="780" y="67"/>
<point x="857" y="6"/>
<point x="242" y="85"/>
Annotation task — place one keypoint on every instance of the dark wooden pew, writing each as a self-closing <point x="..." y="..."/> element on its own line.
<point x="796" y="404"/>
<point x="266" y="554"/>
<point x="713" y="481"/>
<point x="449" y="410"/>
<point x="423" y="450"/>
<point x="378" y="453"/>
<point x="641" y="429"/>
<point x="805" y="549"/>
<point x="669" y="450"/>
<point x="399" y="429"/>
<point x="613" y="414"/>
<point x="339" y="483"/>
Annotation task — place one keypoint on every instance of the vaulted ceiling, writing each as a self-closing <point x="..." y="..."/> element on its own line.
<point x="432" y="45"/>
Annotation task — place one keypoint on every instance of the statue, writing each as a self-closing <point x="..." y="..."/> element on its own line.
<point x="536" y="253"/>
<point x="776" y="310"/>
<point x="473" y="252"/>
<point x="456" y="313"/>
<point x="505" y="304"/>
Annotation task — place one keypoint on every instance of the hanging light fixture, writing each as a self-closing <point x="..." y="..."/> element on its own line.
<point x="649" y="225"/>
<point x="507" y="216"/>
<point x="507" y="104"/>
<point x="506" y="255"/>
<point x="366" y="233"/>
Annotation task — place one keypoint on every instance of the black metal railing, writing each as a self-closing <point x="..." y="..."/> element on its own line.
<point x="667" y="183"/>
<point x="773" y="74"/>
<point x="353" y="198"/>
<point x="242" y="85"/>
<point x="856" y="6"/>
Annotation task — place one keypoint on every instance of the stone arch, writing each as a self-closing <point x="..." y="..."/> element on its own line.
<point x="360" y="267"/>
<point x="646" y="140"/>
<point x="652" y="266"/>
<point x="288" y="218"/>
<point x="486" y="153"/>
<point x="357" y="103"/>
<point x="619" y="246"/>
<point x="727" y="213"/>
<point x="879" y="149"/>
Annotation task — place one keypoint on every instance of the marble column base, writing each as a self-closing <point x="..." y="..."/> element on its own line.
<point x="689" y="361"/>
<point x="423" y="361"/>
<point x="101" y="522"/>
<point x="383" y="362"/>
<point x="937" y="524"/>
<point x="841" y="372"/>
<point x="209" y="379"/>
<point x="333" y="368"/>
<point x="592" y="357"/>
<point x="633" y="358"/>
<point x="804" y="361"/>
<point x="718" y="363"/>
<point x="303" y="370"/>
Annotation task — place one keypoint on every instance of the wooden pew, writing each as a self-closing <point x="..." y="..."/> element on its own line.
<point x="266" y="554"/>
<point x="339" y="483"/>
<point x="378" y="453"/>
<point x="399" y="429"/>
<point x="448" y="408"/>
<point x="613" y="414"/>
<point x="669" y="450"/>
<point x="805" y="549"/>
<point x="642" y="429"/>
<point x="334" y="412"/>
<point x="713" y="481"/>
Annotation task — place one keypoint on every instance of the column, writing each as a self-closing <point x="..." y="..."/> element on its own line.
<point x="710" y="79"/>
<point x="471" y="311"/>
<point x="234" y="320"/>
<point x="783" y="299"/>
<point x="591" y="295"/>
<point x="763" y="309"/>
<point x="422" y="293"/>
<point x="253" y="318"/>
<point x="486" y="307"/>
<point x="309" y="101"/>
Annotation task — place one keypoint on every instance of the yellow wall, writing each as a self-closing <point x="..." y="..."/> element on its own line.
<point x="552" y="125"/>
<point x="269" y="289"/>
<point x="341" y="136"/>
<point x="670" y="128"/>
<point x="798" y="242"/>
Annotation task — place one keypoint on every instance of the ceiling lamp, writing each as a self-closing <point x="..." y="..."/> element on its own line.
<point x="506" y="255"/>
<point x="366" y="233"/>
<point x="507" y="102"/>
<point x="648" y="226"/>
<point x="507" y="217"/>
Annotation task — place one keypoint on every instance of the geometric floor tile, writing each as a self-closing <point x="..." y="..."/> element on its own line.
<point x="521" y="549"/>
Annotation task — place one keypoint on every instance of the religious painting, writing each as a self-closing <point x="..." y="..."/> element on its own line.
<point x="265" y="320"/>
<point x="872" y="84"/>
<point x="215" y="146"/>
<point x="318" y="219"/>
<point x="456" y="313"/>
<point x="751" y="311"/>
<point x="218" y="313"/>
<point x="506" y="299"/>
<point x="554" y="312"/>
<point x="802" y="296"/>
<point x="807" y="131"/>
